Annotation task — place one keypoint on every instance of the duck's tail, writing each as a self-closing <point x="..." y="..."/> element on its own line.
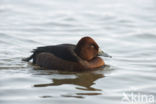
<point x="28" y="58"/>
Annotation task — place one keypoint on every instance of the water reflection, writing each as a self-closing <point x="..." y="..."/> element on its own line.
<point x="85" y="80"/>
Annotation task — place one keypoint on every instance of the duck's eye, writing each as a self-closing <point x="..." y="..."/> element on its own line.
<point x="92" y="46"/>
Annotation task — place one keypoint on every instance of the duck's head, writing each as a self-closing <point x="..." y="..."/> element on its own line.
<point x="88" y="49"/>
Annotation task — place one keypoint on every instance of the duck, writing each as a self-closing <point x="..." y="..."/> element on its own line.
<point x="85" y="55"/>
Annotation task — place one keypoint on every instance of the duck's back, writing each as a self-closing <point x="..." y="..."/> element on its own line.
<point x="63" y="51"/>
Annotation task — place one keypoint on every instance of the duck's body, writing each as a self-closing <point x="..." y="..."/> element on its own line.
<point x="83" y="56"/>
<point x="64" y="51"/>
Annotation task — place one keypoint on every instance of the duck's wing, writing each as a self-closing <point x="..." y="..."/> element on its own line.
<point x="63" y="51"/>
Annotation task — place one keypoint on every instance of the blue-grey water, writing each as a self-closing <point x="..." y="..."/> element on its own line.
<point x="126" y="29"/>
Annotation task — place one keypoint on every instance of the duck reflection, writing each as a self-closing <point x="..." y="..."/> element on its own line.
<point x="85" y="80"/>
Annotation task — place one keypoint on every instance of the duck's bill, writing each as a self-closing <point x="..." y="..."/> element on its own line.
<point x="101" y="53"/>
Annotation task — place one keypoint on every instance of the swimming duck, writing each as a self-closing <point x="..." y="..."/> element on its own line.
<point x="80" y="57"/>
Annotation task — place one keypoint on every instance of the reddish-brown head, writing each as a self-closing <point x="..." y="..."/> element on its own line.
<point x="87" y="48"/>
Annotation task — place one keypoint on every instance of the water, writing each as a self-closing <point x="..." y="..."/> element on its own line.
<point x="126" y="29"/>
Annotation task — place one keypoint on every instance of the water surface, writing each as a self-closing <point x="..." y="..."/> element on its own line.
<point x="126" y="29"/>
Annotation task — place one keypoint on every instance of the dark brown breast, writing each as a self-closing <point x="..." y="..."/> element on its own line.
<point x="50" y="61"/>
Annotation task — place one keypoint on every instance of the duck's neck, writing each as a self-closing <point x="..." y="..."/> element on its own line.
<point x="94" y="63"/>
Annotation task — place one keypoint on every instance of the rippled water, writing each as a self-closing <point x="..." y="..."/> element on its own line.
<point x="126" y="29"/>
